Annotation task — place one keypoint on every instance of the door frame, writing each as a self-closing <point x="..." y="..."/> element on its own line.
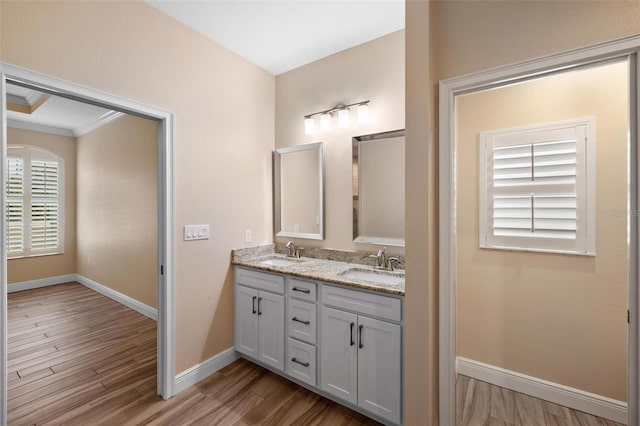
<point x="628" y="47"/>
<point x="165" y="160"/>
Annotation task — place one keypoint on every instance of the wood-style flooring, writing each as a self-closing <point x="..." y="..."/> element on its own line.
<point x="79" y="358"/>
<point x="483" y="404"/>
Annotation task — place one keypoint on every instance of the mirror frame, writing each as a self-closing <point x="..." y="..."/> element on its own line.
<point x="355" y="144"/>
<point x="277" y="188"/>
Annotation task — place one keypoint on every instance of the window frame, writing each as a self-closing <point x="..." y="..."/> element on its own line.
<point x="585" y="189"/>
<point x="28" y="153"/>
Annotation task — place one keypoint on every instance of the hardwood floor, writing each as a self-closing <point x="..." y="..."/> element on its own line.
<point x="483" y="404"/>
<point x="79" y="358"/>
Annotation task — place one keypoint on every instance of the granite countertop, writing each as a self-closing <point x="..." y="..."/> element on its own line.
<point x="330" y="271"/>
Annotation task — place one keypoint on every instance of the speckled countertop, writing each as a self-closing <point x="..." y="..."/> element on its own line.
<point x="330" y="271"/>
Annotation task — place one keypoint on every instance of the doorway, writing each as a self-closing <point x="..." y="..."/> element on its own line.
<point x="455" y="291"/>
<point x="25" y="78"/>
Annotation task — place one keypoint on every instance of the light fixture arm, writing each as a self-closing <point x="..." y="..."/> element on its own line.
<point x="336" y="108"/>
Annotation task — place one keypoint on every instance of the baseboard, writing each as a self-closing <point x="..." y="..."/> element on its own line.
<point x="203" y="370"/>
<point x="577" y="399"/>
<point x="127" y="301"/>
<point x="42" y="282"/>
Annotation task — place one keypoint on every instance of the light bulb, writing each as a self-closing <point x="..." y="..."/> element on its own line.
<point x="309" y="126"/>
<point x="343" y="118"/>
<point x="325" y="122"/>
<point x="363" y="114"/>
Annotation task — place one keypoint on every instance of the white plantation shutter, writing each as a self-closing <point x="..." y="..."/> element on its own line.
<point x="15" y="209"/>
<point x="536" y="188"/>
<point x="44" y="205"/>
<point x="34" y="202"/>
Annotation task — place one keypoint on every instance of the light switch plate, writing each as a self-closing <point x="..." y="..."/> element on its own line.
<point x="196" y="232"/>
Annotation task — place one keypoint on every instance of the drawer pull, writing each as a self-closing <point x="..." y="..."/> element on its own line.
<point x="360" y="327"/>
<point x="301" y="321"/>
<point x="351" y="334"/>
<point x="301" y="290"/>
<point x="259" y="300"/>
<point x="304" y="364"/>
<point x="253" y="304"/>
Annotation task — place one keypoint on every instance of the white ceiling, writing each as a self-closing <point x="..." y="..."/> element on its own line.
<point x="56" y="115"/>
<point x="280" y="35"/>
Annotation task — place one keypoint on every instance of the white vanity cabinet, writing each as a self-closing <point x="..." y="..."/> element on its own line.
<point x="342" y="342"/>
<point x="259" y="317"/>
<point x="360" y="356"/>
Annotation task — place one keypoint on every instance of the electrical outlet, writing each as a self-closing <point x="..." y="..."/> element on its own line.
<point x="247" y="236"/>
<point x="196" y="232"/>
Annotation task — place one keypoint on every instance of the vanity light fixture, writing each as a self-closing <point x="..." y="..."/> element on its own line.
<point x="343" y="117"/>
<point x="309" y="126"/>
<point x="325" y="121"/>
<point x="363" y="114"/>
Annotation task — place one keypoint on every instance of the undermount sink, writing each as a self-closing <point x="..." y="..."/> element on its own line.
<point x="280" y="261"/>
<point x="380" y="277"/>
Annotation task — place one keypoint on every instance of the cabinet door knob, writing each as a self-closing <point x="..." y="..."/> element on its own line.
<point x="299" y="320"/>
<point x="253" y="304"/>
<point x="259" y="300"/>
<point x="305" y="364"/>
<point x="352" y="342"/>
<point x="360" y="327"/>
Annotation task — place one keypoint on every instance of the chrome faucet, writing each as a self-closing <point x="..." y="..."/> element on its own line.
<point x="381" y="259"/>
<point x="291" y="249"/>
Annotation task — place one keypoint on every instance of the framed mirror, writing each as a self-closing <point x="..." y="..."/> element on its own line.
<point x="298" y="191"/>
<point x="378" y="188"/>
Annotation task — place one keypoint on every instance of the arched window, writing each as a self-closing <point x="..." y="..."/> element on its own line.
<point x="35" y="202"/>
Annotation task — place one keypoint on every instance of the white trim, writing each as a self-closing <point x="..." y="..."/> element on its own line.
<point x="567" y="396"/>
<point x="40" y="128"/>
<point x="166" y="338"/>
<point x="42" y="282"/>
<point x="121" y="298"/>
<point x="3" y="244"/>
<point x="448" y="90"/>
<point x="201" y="371"/>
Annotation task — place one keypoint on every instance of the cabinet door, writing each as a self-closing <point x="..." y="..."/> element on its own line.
<point x="246" y="321"/>
<point x="271" y="314"/>
<point x="379" y="367"/>
<point x="339" y="354"/>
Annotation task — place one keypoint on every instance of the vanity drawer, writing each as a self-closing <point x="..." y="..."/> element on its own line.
<point x="362" y="302"/>
<point x="302" y="321"/>
<point x="299" y="289"/>
<point x="260" y="280"/>
<point x="301" y="362"/>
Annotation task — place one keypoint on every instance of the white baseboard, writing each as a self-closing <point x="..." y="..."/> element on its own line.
<point x="203" y="370"/>
<point x="577" y="399"/>
<point x="42" y="282"/>
<point x="127" y="301"/>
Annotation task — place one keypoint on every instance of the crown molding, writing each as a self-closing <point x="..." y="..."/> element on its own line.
<point x="104" y="119"/>
<point x="41" y="128"/>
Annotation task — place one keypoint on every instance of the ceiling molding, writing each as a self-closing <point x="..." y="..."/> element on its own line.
<point x="18" y="100"/>
<point x="41" y="128"/>
<point x="106" y="118"/>
<point x="72" y="133"/>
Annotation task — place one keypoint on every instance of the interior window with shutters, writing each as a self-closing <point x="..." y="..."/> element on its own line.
<point x="537" y="188"/>
<point x="35" y="202"/>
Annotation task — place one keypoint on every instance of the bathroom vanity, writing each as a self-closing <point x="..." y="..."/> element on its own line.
<point x="333" y="327"/>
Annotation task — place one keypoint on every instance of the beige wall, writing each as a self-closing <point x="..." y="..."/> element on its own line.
<point x="371" y="71"/>
<point x="224" y="127"/>
<point x="33" y="268"/>
<point x="556" y="317"/>
<point x="447" y="39"/>
<point x="117" y="207"/>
